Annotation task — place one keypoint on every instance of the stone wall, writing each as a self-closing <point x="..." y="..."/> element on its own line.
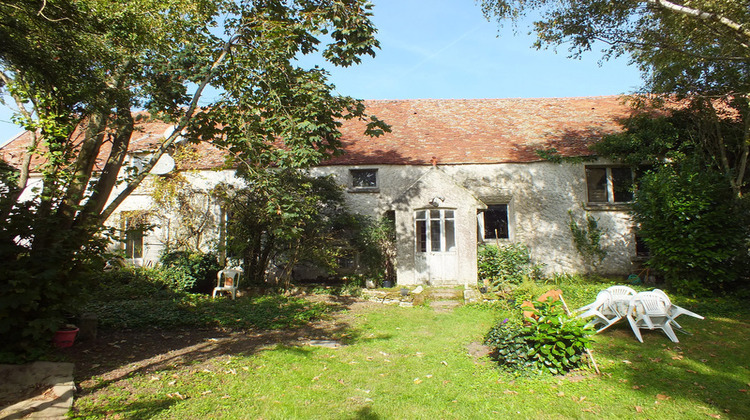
<point x="539" y="196"/>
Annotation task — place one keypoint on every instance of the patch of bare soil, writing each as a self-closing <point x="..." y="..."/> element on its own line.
<point x="114" y="355"/>
<point x="477" y="350"/>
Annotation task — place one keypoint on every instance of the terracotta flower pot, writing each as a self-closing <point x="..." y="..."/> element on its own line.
<point x="65" y="337"/>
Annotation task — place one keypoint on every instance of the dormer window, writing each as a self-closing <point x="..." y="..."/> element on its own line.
<point x="364" y="179"/>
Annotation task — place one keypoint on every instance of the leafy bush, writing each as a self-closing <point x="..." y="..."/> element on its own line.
<point x="376" y="244"/>
<point x="190" y="271"/>
<point x="694" y="226"/>
<point x="129" y="283"/>
<point x="40" y="287"/>
<point x="187" y="310"/>
<point x="504" y="264"/>
<point x="554" y="342"/>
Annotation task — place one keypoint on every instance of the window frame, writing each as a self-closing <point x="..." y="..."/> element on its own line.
<point x="364" y="188"/>
<point x="611" y="189"/>
<point x="134" y="235"/>
<point x="440" y="221"/>
<point x="481" y="223"/>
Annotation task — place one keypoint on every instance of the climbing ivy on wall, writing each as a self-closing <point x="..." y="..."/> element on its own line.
<point x="587" y="238"/>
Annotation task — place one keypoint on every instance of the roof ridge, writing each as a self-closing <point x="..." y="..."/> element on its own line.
<point x="539" y="98"/>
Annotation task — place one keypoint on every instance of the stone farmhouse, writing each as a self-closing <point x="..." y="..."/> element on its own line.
<point x="452" y="174"/>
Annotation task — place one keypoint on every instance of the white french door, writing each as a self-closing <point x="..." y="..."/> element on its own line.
<point x="436" y="257"/>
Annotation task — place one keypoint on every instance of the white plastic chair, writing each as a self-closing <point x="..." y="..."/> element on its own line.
<point x="650" y="310"/>
<point x="621" y="296"/>
<point x="602" y="310"/>
<point x="231" y="278"/>
<point x="674" y="311"/>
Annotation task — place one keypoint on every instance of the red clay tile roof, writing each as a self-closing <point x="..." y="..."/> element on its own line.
<point x="463" y="131"/>
<point x="455" y="131"/>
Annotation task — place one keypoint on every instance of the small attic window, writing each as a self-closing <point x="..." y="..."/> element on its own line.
<point x="364" y="179"/>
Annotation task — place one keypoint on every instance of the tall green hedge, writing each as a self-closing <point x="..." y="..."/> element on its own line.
<point x="695" y="227"/>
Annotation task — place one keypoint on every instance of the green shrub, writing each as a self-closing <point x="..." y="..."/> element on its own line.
<point x="129" y="283"/>
<point x="187" y="310"/>
<point x="190" y="271"/>
<point x="695" y="227"/>
<point x="504" y="264"/>
<point x="553" y="343"/>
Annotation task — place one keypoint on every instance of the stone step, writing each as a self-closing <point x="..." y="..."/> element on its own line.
<point x="444" y="305"/>
<point x="446" y="294"/>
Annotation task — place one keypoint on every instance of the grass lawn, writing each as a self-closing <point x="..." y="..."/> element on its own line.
<point x="415" y="363"/>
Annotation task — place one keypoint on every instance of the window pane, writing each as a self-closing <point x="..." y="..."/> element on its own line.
<point x="596" y="183"/>
<point x="364" y="178"/>
<point x="450" y="235"/>
<point x="421" y="236"/>
<point x="449" y="214"/>
<point x="641" y="249"/>
<point x="622" y="182"/>
<point x="434" y="214"/>
<point x="420" y="215"/>
<point x="435" y="236"/>
<point x="496" y="222"/>
<point x="134" y="244"/>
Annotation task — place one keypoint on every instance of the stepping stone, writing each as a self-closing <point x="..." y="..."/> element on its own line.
<point x="36" y="390"/>
<point x="444" y="305"/>
<point x="329" y="344"/>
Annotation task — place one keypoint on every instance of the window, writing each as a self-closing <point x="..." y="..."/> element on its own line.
<point x="609" y="184"/>
<point x="364" y="179"/>
<point x="641" y="248"/>
<point x="436" y="231"/>
<point x="493" y="222"/>
<point x="133" y="238"/>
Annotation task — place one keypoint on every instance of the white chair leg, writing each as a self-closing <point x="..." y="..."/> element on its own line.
<point x="670" y="332"/>
<point x="635" y="329"/>
<point x="675" y="323"/>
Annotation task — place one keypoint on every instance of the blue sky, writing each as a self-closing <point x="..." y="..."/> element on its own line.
<point x="446" y="49"/>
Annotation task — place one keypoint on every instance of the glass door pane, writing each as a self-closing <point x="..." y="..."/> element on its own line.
<point x="435" y="235"/>
<point x="435" y="231"/>
<point x="421" y="236"/>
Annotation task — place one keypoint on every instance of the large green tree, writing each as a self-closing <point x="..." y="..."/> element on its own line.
<point x="695" y="134"/>
<point x="696" y="51"/>
<point x="77" y="69"/>
<point x="283" y="217"/>
<point x="686" y="211"/>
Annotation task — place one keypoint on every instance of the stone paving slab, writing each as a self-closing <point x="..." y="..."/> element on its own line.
<point x="39" y="390"/>
<point x="444" y="305"/>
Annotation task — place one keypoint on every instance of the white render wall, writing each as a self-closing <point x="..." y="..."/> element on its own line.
<point x="155" y="240"/>
<point x="539" y="196"/>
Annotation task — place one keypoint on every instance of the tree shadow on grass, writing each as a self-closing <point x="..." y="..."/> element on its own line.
<point x="133" y="410"/>
<point x="117" y="355"/>
<point x="366" y="413"/>
<point x="710" y="366"/>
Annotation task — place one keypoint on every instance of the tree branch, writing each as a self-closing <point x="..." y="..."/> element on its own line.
<point x="84" y="165"/>
<point x="168" y="142"/>
<point x="708" y="16"/>
<point x="745" y="147"/>
<point x="23" y="179"/>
